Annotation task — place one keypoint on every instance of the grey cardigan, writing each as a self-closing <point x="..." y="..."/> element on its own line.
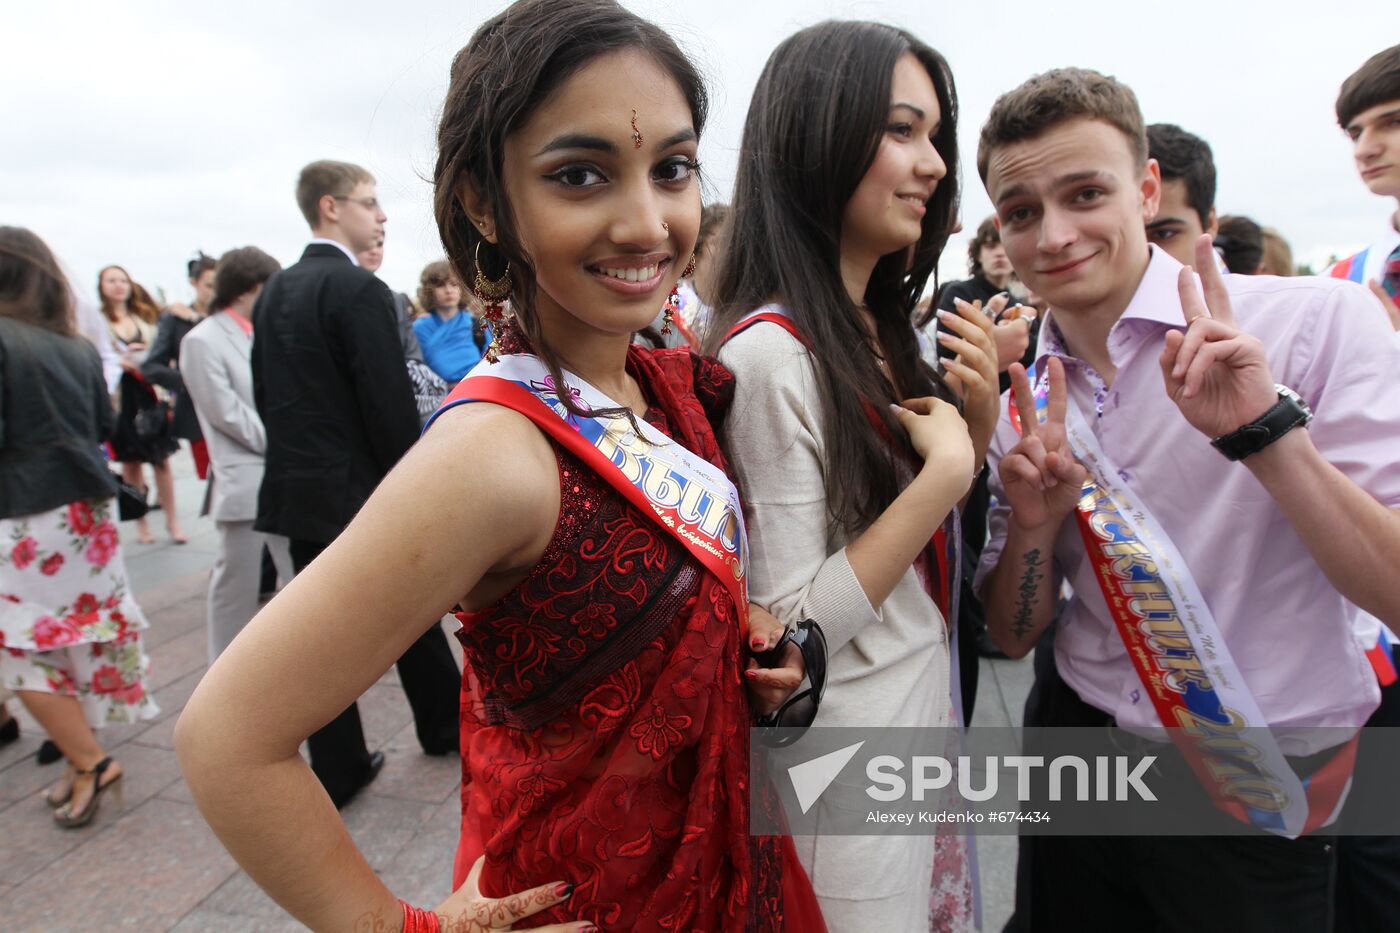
<point x="54" y="414"/>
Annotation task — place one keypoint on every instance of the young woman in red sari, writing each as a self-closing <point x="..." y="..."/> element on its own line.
<point x="571" y="500"/>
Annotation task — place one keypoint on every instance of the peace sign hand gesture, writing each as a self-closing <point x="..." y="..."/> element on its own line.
<point x="1215" y="373"/>
<point x="1042" y="479"/>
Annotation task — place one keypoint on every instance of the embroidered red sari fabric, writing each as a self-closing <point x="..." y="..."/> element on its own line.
<point x="604" y="716"/>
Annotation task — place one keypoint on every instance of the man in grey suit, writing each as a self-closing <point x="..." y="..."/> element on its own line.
<point x="214" y="360"/>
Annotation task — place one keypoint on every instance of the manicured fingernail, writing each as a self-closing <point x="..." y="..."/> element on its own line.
<point x="896" y="408"/>
<point x="756" y="643"/>
<point x="751" y="673"/>
<point x="589" y="929"/>
<point x="564" y="890"/>
<point x="946" y="338"/>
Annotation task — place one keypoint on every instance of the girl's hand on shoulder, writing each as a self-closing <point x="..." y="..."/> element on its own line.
<point x="468" y="911"/>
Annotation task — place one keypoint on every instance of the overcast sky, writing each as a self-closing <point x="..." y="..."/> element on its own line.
<point x="134" y="133"/>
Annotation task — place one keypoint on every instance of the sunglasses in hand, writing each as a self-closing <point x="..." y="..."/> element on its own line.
<point x="799" y="710"/>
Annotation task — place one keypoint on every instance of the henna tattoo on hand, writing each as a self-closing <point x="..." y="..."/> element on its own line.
<point x="1021" y="624"/>
<point x="373" y="922"/>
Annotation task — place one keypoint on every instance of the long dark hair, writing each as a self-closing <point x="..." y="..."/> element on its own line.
<point x="508" y="68"/>
<point x="814" y="127"/>
<point x="33" y="288"/>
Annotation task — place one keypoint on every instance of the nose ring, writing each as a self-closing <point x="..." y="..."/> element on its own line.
<point x="665" y="226"/>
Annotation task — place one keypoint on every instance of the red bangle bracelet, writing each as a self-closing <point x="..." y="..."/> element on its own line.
<point x="419" y="921"/>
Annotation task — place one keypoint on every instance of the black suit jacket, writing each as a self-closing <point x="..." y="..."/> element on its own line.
<point x="330" y="384"/>
<point x="161" y="366"/>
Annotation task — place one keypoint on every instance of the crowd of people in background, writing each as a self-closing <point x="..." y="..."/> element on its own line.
<point x="302" y="393"/>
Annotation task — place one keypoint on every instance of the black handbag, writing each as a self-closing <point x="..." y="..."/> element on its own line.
<point x="131" y="501"/>
<point x="153" y="422"/>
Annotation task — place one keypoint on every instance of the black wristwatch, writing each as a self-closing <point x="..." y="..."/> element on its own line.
<point x="1288" y="412"/>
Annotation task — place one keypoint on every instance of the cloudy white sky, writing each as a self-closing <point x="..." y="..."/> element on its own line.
<point x="134" y="133"/>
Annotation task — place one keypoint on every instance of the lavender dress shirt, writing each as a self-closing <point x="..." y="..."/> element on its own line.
<point x="1298" y="642"/>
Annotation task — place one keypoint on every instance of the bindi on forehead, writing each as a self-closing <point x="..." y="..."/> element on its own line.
<point x="617" y="98"/>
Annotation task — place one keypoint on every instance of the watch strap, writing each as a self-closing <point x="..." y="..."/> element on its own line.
<point x="1285" y="415"/>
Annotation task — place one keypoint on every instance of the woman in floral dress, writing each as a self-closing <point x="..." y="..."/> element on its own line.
<point x="70" y="644"/>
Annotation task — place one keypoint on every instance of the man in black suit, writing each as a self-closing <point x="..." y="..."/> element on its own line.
<point x="330" y="384"/>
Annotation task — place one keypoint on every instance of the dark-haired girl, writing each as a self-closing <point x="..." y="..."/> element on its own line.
<point x="162" y="363"/>
<point x="851" y="452"/>
<point x="571" y="500"/>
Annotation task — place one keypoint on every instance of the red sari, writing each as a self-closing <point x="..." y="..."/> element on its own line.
<point x="604" y="715"/>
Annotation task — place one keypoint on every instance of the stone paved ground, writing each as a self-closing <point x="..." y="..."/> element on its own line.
<point x="155" y="865"/>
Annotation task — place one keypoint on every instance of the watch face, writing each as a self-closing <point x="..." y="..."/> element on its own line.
<point x="1285" y="392"/>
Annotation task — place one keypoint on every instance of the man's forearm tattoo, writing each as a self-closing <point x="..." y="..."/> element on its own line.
<point x="1025" y="593"/>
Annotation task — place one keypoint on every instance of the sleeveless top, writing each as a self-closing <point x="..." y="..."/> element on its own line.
<point x="604" y="716"/>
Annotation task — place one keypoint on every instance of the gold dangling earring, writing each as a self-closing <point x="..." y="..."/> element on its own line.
<point x="673" y="301"/>
<point x="491" y="293"/>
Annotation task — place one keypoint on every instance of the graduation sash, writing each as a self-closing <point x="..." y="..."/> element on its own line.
<point x="691" y="498"/>
<point x="1181" y="658"/>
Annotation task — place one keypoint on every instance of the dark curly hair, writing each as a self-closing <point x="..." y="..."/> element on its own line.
<point x="512" y="63"/>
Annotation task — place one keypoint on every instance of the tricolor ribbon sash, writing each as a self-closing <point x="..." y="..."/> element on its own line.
<point x="1181" y="658"/>
<point x="689" y="496"/>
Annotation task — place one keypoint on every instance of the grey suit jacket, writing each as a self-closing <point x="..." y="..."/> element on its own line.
<point x="214" y="360"/>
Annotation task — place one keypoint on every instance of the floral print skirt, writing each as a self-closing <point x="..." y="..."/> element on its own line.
<point x="68" y="621"/>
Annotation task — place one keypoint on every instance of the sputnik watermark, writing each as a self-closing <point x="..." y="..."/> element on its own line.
<point x="1070" y="777"/>
<point x="1116" y="780"/>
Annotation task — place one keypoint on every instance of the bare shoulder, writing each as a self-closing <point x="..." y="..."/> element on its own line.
<point x="482" y="447"/>
<point x="482" y="476"/>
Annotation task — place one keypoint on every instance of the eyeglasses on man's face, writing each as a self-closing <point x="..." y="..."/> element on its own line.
<point x="369" y="204"/>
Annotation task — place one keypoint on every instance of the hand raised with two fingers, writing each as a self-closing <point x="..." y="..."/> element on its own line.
<point x="1217" y="374"/>
<point x="1041" y="478"/>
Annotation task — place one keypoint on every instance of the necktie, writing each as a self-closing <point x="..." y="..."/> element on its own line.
<point x="1390" y="274"/>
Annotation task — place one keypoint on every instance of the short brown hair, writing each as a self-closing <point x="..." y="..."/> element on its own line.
<point x="1278" y="255"/>
<point x="987" y="233"/>
<point x="434" y="274"/>
<point x="1052" y="98"/>
<point x="240" y="271"/>
<point x="1374" y="83"/>
<point x="33" y="288"/>
<point x="326" y="177"/>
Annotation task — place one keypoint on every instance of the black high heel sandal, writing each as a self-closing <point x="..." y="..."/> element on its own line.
<point x="9" y="732"/>
<point x="67" y="818"/>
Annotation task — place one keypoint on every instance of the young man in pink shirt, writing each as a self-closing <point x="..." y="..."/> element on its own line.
<point x="1279" y="507"/>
